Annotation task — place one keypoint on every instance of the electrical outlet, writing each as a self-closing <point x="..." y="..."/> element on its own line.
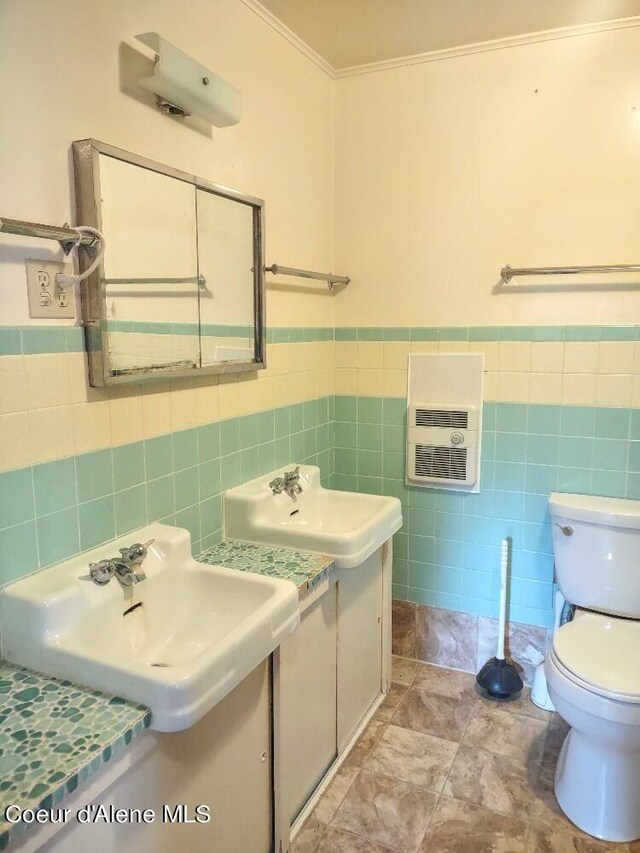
<point x="46" y="299"/>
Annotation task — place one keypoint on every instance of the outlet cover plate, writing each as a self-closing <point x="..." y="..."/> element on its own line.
<point x="46" y="299"/>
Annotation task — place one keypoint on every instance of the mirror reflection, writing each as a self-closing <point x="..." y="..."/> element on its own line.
<point x="225" y="257"/>
<point x="180" y="289"/>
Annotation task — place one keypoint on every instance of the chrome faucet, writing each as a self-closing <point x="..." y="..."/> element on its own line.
<point x="289" y="483"/>
<point x="127" y="568"/>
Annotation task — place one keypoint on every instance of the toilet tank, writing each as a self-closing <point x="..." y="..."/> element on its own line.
<point x="596" y="544"/>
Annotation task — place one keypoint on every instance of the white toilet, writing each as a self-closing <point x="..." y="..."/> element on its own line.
<point x="593" y="669"/>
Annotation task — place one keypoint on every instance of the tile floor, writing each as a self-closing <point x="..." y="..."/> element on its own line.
<point x="440" y="770"/>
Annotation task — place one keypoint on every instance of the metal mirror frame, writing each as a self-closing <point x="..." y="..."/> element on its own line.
<point x="94" y="304"/>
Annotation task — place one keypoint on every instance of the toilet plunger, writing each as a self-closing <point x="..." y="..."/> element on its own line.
<point x="499" y="680"/>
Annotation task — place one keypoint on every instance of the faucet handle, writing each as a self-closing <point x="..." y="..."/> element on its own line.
<point x="136" y="553"/>
<point x="100" y="573"/>
<point x="277" y="485"/>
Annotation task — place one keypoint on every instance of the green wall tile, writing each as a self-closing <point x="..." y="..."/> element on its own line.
<point x="229" y="436"/>
<point x="55" y="485"/>
<point x="10" y="340"/>
<point x="209" y="478"/>
<point x="94" y="474"/>
<point x="58" y="536"/>
<point x="185" y="449"/>
<point x="44" y="339"/>
<point x="158" y="456"/>
<point x="160" y="498"/>
<point x="186" y="488"/>
<point x="130" y="509"/>
<point x="97" y="522"/>
<point x="346" y="409"/>
<point x="190" y="520"/>
<point x="16" y="497"/>
<point x="128" y="465"/>
<point x="18" y="551"/>
<point x="248" y="431"/>
<point x="370" y="333"/>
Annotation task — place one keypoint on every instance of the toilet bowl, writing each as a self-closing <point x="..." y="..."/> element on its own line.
<point x="593" y="670"/>
<point x="593" y="677"/>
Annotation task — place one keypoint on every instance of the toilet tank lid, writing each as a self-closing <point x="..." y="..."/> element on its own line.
<point x="614" y="512"/>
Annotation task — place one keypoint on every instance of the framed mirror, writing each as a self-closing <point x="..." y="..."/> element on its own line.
<point x="180" y="290"/>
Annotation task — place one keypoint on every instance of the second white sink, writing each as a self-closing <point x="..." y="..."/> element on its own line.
<point x="347" y="526"/>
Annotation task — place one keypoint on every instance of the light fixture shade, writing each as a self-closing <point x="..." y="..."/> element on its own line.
<point x="185" y="83"/>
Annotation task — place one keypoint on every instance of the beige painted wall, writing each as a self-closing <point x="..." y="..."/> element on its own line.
<point x="59" y="63"/>
<point x="59" y="60"/>
<point x="446" y="171"/>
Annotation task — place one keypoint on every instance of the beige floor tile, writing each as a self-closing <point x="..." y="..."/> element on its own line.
<point x="496" y="782"/>
<point x="506" y="734"/>
<point x="306" y="841"/>
<point x="442" y="716"/>
<point x="366" y="742"/>
<point x="459" y="827"/>
<point x="417" y="758"/>
<point x="338" y="841"/>
<point x="335" y="793"/>
<point x="403" y="670"/>
<point x="386" y="811"/>
<point x="523" y="706"/>
<point x="445" y="682"/>
<point x="396" y="694"/>
<point x="547" y="839"/>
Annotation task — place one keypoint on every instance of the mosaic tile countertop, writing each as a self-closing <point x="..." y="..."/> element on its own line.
<point x="304" y="569"/>
<point x="53" y="736"/>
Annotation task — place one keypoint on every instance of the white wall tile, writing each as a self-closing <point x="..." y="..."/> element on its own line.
<point x="579" y="389"/>
<point x="616" y="357"/>
<point x="547" y="357"/>
<point x="581" y="357"/>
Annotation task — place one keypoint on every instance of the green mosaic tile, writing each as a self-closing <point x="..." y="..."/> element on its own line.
<point x="54" y="734"/>
<point x="304" y="569"/>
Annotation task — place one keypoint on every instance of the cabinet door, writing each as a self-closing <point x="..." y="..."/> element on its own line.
<point x="359" y="643"/>
<point x="224" y="761"/>
<point x="308" y="702"/>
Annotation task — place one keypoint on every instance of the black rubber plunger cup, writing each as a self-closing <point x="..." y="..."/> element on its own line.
<point x="499" y="680"/>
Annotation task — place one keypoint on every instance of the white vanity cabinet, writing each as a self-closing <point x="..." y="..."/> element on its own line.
<point x="359" y="657"/>
<point x="328" y="677"/>
<point x="224" y="762"/>
<point x="306" y="667"/>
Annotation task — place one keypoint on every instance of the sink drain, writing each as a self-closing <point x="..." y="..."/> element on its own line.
<point x="159" y="664"/>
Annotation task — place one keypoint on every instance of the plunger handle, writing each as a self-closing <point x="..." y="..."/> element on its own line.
<point x="502" y="616"/>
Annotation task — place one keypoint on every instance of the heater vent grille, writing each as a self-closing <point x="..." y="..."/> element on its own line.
<point x="442" y="418"/>
<point x="441" y="463"/>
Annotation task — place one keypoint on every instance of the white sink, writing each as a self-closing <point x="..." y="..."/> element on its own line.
<point x="199" y="631"/>
<point x="347" y="526"/>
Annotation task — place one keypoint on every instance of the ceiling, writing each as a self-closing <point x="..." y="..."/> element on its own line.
<point x="357" y="32"/>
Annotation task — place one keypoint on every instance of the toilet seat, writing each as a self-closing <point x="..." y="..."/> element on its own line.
<point x="600" y="653"/>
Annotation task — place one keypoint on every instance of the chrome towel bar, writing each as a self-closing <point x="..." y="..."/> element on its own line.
<point x="507" y="273"/>
<point x="330" y="278"/>
<point x="66" y="236"/>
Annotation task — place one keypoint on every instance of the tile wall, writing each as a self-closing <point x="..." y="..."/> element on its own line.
<point x="559" y="415"/>
<point x="81" y="465"/>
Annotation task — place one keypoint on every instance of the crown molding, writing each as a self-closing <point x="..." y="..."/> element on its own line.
<point x="435" y="55"/>
<point x="487" y="46"/>
<point x="276" y="24"/>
